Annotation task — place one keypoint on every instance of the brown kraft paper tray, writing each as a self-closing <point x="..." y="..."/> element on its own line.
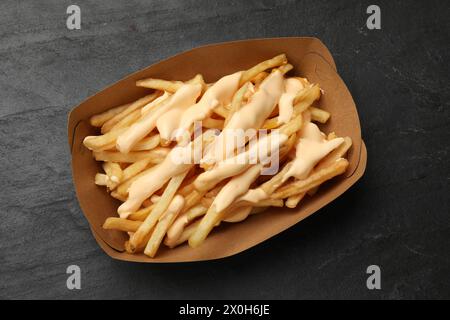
<point x="310" y="59"/>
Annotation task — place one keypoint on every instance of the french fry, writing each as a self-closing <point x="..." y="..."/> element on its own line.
<point x="302" y="101"/>
<point x="148" y="143"/>
<point x="159" y="84"/>
<point x="138" y="249"/>
<point x="99" y="119"/>
<point x="135" y="168"/>
<point x="212" y="123"/>
<point x="138" y="104"/>
<point x="185" y="235"/>
<point x="293" y="201"/>
<point x="287" y="147"/>
<point x="198" y="79"/>
<point x="118" y="196"/>
<point x="114" y="172"/>
<point x="333" y="156"/>
<point x="163" y="225"/>
<point x="122" y="189"/>
<point x="312" y="181"/>
<point x="114" y="223"/>
<point x="126" y="121"/>
<point x="259" y="78"/>
<point x="207" y="223"/>
<point x="285" y="68"/>
<point x="263" y="66"/>
<point x="319" y="115"/>
<point x="156" y="155"/>
<point x="141" y="214"/>
<point x="195" y="212"/>
<point x="103" y="142"/>
<point x="101" y="179"/>
<point x="158" y="210"/>
<point x="263" y="203"/>
<point x="192" y="199"/>
<point x="221" y="111"/>
<point x="155" y="103"/>
<point x="236" y="102"/>
<point x="331" y="136"/>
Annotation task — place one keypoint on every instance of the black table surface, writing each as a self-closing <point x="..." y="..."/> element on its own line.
<point x="397" y="216"/>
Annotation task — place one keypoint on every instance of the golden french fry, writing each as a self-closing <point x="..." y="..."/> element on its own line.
<point x="302" y="101"/>
<point x="192" y="199"/>
<point x="221" y="111"/>
<point x="101" y="179"/>
<point x="103" y="142"/>
<point x="163" y="225"/>
<point x="188" y="186"/>
<point x="195" y="212"/>
<point x="207" y="223"/>
<point x="292" y="126"/>
<point x="141" y="214"/>
<point x="285" y="68"/>
<point x="114" y="172"/>
<point x="99" y="119"/>
<point x="207" y="202"/>
<point x="156" y="155"/>
<point x="331" y="136"/>
<point x="158" y="210"/>
<point x="263" y="203"/>
<point x="185" y="235"/>
<point x="126" y="121"/>
<point x="212" y="123"/>
<point x="138" y="104"/>
<point x="287" y="147"/>
<point x="334" y="155"/>
<point x="198" y="79"/>
<point x="236" y="102"/>
<point x="122" y="189"/>
<point x="319" y="115"/>
<point x="135" y="168"/>
<point x="259" y="78"/>
<point x="263" y="66"/>
<point x="148" y="143"/>
<point x="118" y="196"/>
<point x="159" y="84"/>
<point x="138" y="249"/>
<point x="121" y="224"/>
<point x="314" y="180"/>
<point x="293" y="201"/>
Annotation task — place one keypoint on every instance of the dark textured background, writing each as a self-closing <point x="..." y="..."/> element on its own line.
<point x="397" y="216"/>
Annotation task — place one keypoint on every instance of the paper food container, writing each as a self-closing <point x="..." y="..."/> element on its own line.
<point x="310" y="59"/>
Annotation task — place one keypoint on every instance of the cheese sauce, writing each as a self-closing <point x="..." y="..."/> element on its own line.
<point x="219" y="94"/>
<point x="310" y="149"/>
<point x="286" y="104"/>
<point x="184" y="97"/>
<point x="152" y="181"/>
<point x="168" y="123"/>
<point x="235" y="165"/>
<point x="237" y="186"/>
<point x="250" y="116"/>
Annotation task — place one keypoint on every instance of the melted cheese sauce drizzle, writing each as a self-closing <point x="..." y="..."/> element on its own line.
<point x="250" y="116"/>
<point x="184" y="97"/>
<point x="310" y="149"/>
<point x="286" y="104"/>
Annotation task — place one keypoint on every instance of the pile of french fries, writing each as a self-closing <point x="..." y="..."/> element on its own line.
<point x="183" y="209"/>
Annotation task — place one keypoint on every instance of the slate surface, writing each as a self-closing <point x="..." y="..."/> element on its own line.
<point x="396" y="217"/>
